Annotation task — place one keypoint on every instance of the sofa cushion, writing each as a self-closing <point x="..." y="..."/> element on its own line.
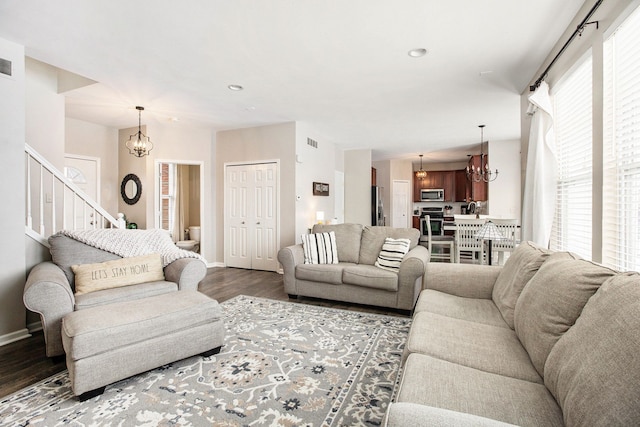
<point x="430" y="381"/>
<point x="600" y="352"/>
<point x="519" y="268"/>
<point x="66" y="252"/>
<point x="369" y="276"/>
<point x="552" y="301"/>
<point x="373" y="238"/>
<point x="347" y="239"/>
<point x="487" y="348"/>
<point x="323" y="273"/>
<point x="320" y="248"/>
<point x="411" y="414"/>
<point x="117" y="273"/>
<point x="391" y="254"/>
<point x="473" y="309"/>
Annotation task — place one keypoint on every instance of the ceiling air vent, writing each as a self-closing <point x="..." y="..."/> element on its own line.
<point x="312" y="143"/>
<point x="5" y="67"/>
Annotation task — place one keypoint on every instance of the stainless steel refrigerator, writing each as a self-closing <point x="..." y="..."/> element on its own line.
<point x="377" y="208"/>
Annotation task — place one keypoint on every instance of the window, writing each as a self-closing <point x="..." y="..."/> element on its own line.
<point x="621" y="189"/>
<point x="167" y="195"/>
<point x="571" y="229"/>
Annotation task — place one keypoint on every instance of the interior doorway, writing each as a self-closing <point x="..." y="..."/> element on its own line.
<point x="84" y="172"/>
<point x="251" y="215"/>
<point x="400" y="204"/>
<point x="179" y="202"/>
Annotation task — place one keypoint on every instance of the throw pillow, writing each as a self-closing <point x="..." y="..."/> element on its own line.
<point x="393" y="250"/>
<point x="117" y="273"/>
<point x="320" y="248"/>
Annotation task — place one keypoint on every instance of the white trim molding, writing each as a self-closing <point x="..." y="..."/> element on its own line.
<point x="14" y="336"/>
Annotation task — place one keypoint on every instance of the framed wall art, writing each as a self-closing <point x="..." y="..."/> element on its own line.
<point x="320" y="189"/>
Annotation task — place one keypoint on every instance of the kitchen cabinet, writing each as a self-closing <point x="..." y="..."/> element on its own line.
<point x="466" y="190"/>
<point x="463" y="186"/>
<point x="415" y="222"/>
<point x="479" y="190"/>
<point x="436" y="179"/>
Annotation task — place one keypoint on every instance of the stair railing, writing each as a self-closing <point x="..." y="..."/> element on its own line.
<point x="54" y="203"/>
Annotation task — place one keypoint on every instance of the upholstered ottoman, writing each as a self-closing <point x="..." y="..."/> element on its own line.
<point x="108" y="343"/>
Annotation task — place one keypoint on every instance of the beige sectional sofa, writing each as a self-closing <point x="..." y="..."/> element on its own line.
<point x="547" y="340"/>
<point x="355" y="278"/>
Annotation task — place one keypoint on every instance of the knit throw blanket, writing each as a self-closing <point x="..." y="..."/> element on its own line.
<point x="128" y="243"/>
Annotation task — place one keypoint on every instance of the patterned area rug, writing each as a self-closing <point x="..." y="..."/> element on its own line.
<point x="283" y="364"/>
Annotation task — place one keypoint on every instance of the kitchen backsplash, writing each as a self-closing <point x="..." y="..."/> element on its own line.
<point x="456" y="206"/>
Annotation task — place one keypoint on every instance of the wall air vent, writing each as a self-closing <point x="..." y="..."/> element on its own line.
<point x="312" y="143"/>
<point x="5" y="67"/>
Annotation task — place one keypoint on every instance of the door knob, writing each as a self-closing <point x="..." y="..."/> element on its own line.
<point x="258" y="223"/>
<point x="242" y="222"/>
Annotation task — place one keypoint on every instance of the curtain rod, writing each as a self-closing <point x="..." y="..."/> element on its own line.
<point x="578" y="31"/>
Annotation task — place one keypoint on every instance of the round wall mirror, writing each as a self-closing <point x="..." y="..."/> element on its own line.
<point x="131" y="189"/>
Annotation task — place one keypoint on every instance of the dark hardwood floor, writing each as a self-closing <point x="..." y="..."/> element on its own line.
<point x="24" y="362"/>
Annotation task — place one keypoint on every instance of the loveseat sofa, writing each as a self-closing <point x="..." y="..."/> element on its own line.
<point x="355" y="278"/>
<point x="50" y="288"/>
<point x="547" y="340"/>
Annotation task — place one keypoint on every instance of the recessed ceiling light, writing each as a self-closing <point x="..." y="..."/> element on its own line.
<point x="235" y="87"/>
<point x="417" y="53"/>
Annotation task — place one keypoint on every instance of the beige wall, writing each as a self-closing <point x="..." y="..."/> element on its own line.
<point x="253" y="145"/>
<point x="44" y="112"/>
<point x="89" y="139"/>
<point x="168" y="145"/>
<point x="357" y="186"/>
<point x="12" y="211"/>
<point x="142" y="167"/>
<point x="313" y="164"/>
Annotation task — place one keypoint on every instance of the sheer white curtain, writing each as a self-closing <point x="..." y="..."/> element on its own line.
<point x="540" y="180"/>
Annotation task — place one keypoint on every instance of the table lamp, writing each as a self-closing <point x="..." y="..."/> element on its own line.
<point x="489" y="231"/>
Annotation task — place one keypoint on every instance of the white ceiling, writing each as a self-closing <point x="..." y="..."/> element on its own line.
<point x="340" y="65"/>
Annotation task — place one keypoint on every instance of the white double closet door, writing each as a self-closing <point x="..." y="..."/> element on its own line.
<point x="251" y="216"/>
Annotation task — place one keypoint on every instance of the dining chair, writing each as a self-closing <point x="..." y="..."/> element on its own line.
<point x="508" y="228"/>
<point x="439" y="242"/>
<point x="467" y="246"/>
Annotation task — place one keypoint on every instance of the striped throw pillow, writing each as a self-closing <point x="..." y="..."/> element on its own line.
<point x="320" y="248"/>
<point x="393" y="250"/>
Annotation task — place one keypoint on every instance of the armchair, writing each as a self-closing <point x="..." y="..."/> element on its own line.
<point x="49" y="290"/>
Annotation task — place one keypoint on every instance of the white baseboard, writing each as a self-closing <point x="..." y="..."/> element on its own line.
<point x="35" y="326"/>
<point x="14" y="336"/>
<point x="215" y="264"/>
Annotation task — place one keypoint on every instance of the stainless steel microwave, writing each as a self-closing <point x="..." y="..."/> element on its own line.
<point x="432" y="195"/>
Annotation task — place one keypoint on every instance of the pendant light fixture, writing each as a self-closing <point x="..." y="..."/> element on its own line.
<point x="139" y="144"/>
<point x="421" y="174"/>
<point x="482" y="172"/>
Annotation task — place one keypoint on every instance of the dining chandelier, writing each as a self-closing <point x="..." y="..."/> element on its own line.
<point x="421" y="174"/>
<point x="139" y="144"/>
<point x="482" y="172"/>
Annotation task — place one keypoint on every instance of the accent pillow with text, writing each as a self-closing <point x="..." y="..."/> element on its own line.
<point x="117" y="273"/>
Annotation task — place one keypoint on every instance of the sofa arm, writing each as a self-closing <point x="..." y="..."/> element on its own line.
<point x="410" y="276"/>
<point x="463" y="280"/>
<point x="186" y="272"/>
<point x="413" y="414"/>
<point x="289" y="257"/>
<point x="48" y="293"/>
